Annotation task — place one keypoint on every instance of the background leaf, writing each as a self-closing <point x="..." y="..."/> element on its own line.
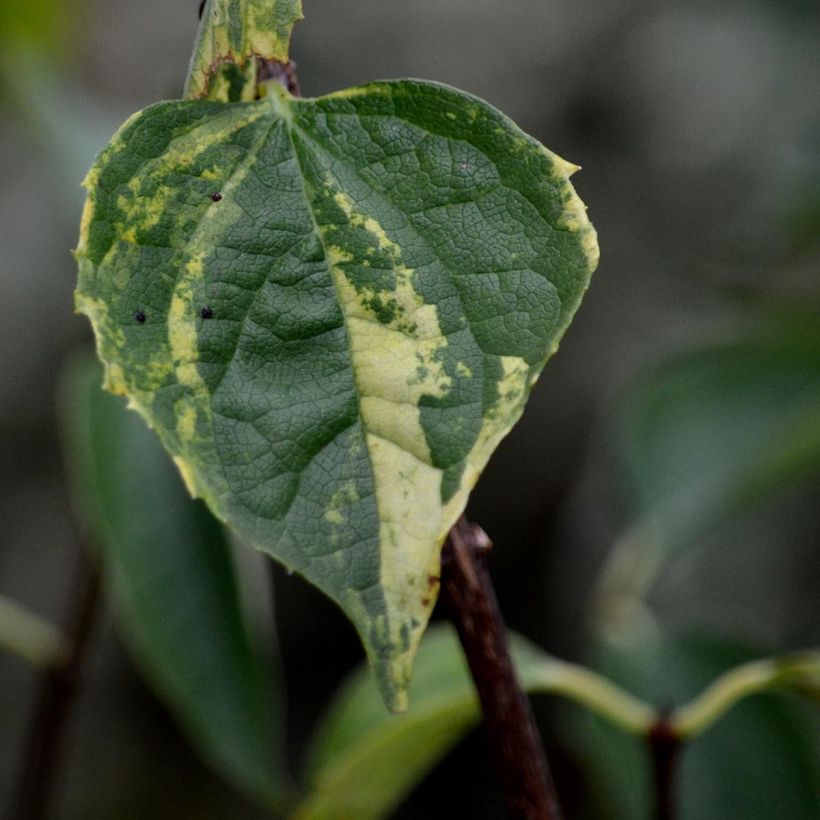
<point x="711" y="431"/>
<point x="363" y="762"/>
<point x="170" y="576"/>
<point x="332" y="311"/>
<point x="705" y="436"/>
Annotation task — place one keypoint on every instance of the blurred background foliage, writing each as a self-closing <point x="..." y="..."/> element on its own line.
<point x="662" y="488"/>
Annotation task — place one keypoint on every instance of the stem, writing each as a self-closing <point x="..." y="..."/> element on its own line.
<point x="468" y="594"/>
<point x="798" y="671"/>
<point x="593" y="691"/>
<point x="665" y="746"/>
<point x="57" y="692"/>
<point x="29" y="636"/>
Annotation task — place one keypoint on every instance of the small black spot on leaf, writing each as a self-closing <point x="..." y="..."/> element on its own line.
<point x="216" y="197"/>
<point x="206" y="313"/>
<point x="140" y="317"/>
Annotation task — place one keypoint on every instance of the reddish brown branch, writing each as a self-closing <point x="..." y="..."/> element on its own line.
<point x="468" y="594"/>
<point x="42" y="754"/>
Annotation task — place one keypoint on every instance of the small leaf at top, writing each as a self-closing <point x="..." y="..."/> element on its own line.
<point x="233" y="32"/>
<point x="344" y="304"/>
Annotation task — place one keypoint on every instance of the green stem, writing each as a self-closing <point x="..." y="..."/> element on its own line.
<point x="595" y="692"/>
<point x="798" y="671"/>
<point x="30" y="637"/>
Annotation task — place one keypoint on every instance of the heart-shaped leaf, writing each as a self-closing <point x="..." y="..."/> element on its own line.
<point x="332" y="311"/>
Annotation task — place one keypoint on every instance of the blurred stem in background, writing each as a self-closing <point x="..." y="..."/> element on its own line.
<point x="30" y="637"/>
<point x="46" y="740"/>
<point x="800" y="672"/>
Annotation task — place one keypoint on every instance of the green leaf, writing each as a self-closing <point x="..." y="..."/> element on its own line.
<point x="364" y="761"/>
<point x="171" y="579"/>
<point x="332" y="311"/>
<point x="235" y="32"/>
<point x="709" y="434"/>
<point x="711" y="431"/>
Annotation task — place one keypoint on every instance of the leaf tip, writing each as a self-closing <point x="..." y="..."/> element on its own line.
<point x="393" y="678"/>
<point x="392" y="667"/>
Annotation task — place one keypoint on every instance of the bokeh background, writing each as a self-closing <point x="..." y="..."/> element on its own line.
<point x="656" y="511"/>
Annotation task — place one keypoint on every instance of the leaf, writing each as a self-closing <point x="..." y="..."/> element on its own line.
<point x="171" y="579"/>
<point x="332" y="311"/>
<point x="237" y="31"/>
<point x="709" y="434"/>
<point x="711" y="431"/>
<point x="363" y="761"/>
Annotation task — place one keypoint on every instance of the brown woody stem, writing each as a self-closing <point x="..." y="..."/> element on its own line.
<point x="467" y="592"/>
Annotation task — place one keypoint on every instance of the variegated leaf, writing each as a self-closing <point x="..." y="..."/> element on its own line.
<point x="331" y="311"/>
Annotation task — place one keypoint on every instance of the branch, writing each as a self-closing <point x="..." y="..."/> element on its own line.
<point x="468" y="594"/>
<point x="57" y="692"/>
<point x="665" y="747"/>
